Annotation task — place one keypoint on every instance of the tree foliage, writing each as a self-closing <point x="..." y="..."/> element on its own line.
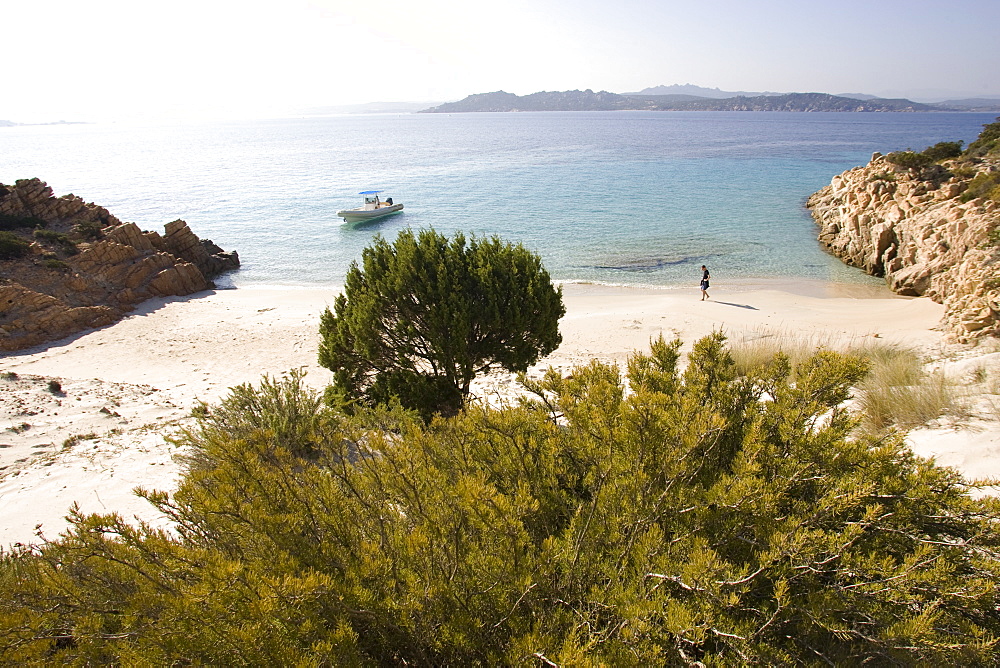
<point x="420" y="318"/>
<point x="690" y="515"/>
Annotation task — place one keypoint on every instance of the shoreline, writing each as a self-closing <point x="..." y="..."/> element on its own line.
<point x="124" y="386"/>
<point x="805" y="287"/>
<point x="809" y="287"/>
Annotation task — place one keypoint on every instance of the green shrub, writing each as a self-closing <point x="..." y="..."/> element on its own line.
<point x="964" y="171"/>
<point x="12" y="246"/>
<point x="943" y="150"/>
<point x="988" y="141"/>
<point x="282" y="408"/>
<point x="60" y="239"/>
<point x="929" y="156"/>
<point x="52" y="236"/>
<point x="698" y="518"/>
<point x="91" y="230"/>
<point x="985" y="185"/>
<point x="9" y="222"/>
<point x="909" y="159"/>
<point x="53" y="263"/>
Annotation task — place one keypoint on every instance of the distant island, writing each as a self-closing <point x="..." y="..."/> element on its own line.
<point x="12" y="124"/>
<point x="649" y="100"/>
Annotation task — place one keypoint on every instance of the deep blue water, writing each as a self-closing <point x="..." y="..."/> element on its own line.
<point x="635" y="198"/>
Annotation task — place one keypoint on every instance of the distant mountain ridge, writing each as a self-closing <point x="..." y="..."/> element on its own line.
<point x="974" y="104"/>
<point x="698" y="91"/>
<point x="588" y="100"/>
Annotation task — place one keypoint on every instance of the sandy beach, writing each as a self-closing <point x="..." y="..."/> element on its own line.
<point x="97" y="432"/>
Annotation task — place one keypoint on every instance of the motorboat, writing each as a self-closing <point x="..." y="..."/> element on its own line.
<point x="374" y="207"/>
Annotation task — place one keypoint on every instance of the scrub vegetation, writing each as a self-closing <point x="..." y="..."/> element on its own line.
<point x="732" y="508"/>
<point x="896" y="393"/>
<point x="967" y="164"/>
<point x="710" y="514"/>
<point x="12" y="246"/>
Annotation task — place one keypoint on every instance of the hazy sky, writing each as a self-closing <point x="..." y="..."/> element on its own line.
<point x="90" y="59"/>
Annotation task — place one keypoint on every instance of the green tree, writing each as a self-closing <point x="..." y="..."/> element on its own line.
<point x="420" y="318"/>
<point x="678" y="516"/>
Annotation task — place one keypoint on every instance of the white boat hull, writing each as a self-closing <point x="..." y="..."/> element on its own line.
<point x="358" y="215"/>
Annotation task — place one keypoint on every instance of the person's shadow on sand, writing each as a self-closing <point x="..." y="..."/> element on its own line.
<point x="752" y="308"/>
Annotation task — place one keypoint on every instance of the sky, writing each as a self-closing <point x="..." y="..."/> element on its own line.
<point x="107" y="59"/>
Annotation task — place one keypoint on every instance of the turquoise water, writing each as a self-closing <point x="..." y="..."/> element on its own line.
<point x="631" y="198"/>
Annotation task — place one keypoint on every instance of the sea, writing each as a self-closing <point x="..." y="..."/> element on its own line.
<point x="619" y="198"/>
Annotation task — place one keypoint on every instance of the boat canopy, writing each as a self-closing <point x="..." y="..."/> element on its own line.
<point x="369" y="192"/>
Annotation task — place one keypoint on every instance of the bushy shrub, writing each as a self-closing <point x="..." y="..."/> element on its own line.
<point x="59" y="239"/>
<point x="993" y="239"/>
<point x="924" y="164"/>
<point x="54" y="237"/>
<point x="91" y="230"/>
<point x="12" y="246"/>
<point x="9" y="222"/>
<point x="987" y="143"/>
<point x="698" y="517"/>
<point x="964" y="171"/>
<point x="909" y="159"/>
<point x="985" y="184"/>
<point x="943" y="150"/>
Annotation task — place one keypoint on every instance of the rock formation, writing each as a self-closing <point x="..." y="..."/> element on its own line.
<point x="84" y="268"/>
<point x="913" y="227"/>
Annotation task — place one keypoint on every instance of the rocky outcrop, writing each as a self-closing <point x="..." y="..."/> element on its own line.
<point x="84" y="268"/>
<point x="913" y="228"/>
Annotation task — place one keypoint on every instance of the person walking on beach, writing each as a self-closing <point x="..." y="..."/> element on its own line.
<point x="704" y="283"/>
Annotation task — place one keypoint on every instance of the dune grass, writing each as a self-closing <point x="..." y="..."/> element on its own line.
<point x="899" y="391"/>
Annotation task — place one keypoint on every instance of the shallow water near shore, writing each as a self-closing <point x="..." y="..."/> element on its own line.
<point x="620" y="198"/>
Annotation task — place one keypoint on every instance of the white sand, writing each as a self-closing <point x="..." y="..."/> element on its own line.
<point x="124" y="386"/>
